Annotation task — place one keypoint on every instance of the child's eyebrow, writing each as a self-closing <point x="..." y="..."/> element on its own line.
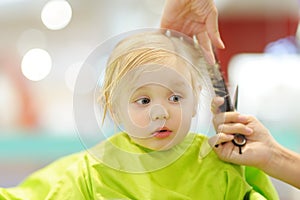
<point x="141" y="89"/>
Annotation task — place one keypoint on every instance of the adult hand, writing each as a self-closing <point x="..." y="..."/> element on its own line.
<point x="195" y="17"/>
<point x="260" y="144"/>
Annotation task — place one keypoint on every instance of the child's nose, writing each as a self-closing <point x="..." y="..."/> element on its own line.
<point x="158" y="112"/>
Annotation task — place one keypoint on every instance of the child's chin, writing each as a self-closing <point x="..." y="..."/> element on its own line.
<point x="163" y="147"/>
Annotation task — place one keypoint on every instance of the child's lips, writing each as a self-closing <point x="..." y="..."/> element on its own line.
<point x="162" y="133"/>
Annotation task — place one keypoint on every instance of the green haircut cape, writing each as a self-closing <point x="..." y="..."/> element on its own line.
<point x="119" y="169"/>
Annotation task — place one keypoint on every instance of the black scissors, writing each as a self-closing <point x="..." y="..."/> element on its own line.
<point x="221" y="90"/>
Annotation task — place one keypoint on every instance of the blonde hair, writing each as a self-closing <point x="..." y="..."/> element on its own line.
<point x="147" y="48"/>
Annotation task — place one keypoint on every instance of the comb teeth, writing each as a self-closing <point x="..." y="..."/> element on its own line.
<point x="196" y="42"/>
<point x="168" y="33"/>
<point x="195" y="39"/>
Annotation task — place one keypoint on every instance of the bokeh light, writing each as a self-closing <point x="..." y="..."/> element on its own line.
<point x="56" y="14"/>
<point x="36" y="64"/>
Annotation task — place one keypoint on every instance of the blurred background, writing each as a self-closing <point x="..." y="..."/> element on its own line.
<point x="43" y="44"/>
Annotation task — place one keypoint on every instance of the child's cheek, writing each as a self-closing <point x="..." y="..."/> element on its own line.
<point x="139" y="118"/>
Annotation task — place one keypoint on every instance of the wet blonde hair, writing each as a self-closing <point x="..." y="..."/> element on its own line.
<point x="148" y="48"/>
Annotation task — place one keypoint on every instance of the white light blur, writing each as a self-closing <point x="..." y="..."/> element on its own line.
<point x="56" y="14"/>
<point x="269" y="86"/>
<point x="36" y="64"/>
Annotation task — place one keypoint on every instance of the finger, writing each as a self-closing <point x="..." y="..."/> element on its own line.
<point x="234" y="128"/>
<point x="213" y="29"/>
<point x="171" y="10"/>
<point x="232" y="117"/>
<point x="222" y="120"/>
<point x="216" y="103"/>
<point x="218" y="119"/>
<point x="220" y="138"/>
<point x="228" y="152"/>
<point x="206" y="47"/>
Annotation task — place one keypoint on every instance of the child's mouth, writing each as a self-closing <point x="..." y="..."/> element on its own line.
<point x="162" y="133"/>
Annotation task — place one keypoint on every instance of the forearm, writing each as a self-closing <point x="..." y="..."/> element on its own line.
<point x="284" y="165"/>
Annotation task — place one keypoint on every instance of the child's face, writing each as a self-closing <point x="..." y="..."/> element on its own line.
<point x="156" y="107"/>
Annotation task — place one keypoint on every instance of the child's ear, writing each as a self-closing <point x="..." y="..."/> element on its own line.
<point x="196" y="99"/>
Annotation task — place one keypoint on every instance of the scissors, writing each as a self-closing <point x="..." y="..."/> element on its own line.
<point x="239" y="139"/>
<point x="221" y="90"/>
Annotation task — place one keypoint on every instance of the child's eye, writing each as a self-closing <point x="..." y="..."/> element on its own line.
<point x="175" y="98"/>
<point x="143" y="101"/>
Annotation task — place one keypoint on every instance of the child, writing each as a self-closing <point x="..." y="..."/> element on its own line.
<point x="150" y="90"/>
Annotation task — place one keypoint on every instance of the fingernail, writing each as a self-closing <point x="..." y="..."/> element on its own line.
<point x="219" y="100"/>
<point x="222" y="45"/>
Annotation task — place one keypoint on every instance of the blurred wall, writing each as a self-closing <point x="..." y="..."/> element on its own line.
<point x="249" y="26"/>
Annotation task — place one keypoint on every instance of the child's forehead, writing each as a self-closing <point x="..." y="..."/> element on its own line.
<point x="169" y="76"/>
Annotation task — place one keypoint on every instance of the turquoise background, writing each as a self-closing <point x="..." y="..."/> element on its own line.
<point x="16" y="146"/>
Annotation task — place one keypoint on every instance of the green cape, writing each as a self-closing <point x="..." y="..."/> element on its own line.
<point x="120" y="169"/>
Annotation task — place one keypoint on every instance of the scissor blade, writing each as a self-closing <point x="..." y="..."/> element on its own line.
<point x="236" y="97"/>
